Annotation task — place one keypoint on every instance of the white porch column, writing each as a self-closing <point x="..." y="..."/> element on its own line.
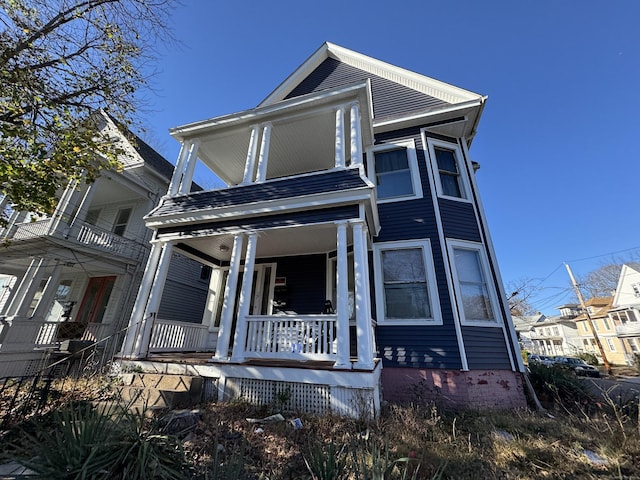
<point x="27" y="289"/>
<point x="187" y="178"/>
<point x="239" y="340"/>
<point x="363" y="314"/>
<point x="356" y="139"/>
<point x="226" y="317"/>
<point x="85" y="203"/>
<point x="137" y="315"/>
<point x="250" y="164"/>
<point x="340" y="157"/>
<point x="177" y="172"/>
<point x="263" y="160"/>
<point x="342" y="302"/>
<point x="46" y="300"/>
<point x="155" y="295"/>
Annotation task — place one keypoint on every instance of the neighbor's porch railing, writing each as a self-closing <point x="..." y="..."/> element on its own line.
<point x="629" y="329"/>
<point x="84" y="234"/>
<point x="172" y="336"/>
<point x="299" y="337"/>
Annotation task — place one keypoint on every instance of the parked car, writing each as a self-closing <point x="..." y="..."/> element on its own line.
<point x="536" y="359"/>
<point x="577" y="366"/>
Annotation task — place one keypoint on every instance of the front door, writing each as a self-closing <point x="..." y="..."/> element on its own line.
<point x="95" y="300"/>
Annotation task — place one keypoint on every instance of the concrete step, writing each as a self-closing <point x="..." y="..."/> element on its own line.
<point x="160" y="391"/>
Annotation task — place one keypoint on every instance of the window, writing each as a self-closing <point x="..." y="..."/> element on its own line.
<point x="405" y="283"/>
<point x="611" y="344"/>
<point x="636" y="289"/>
<point x="605" y="322"/>
<point x="92" y="216"/>
<point x="476" y="297"/>
<point x="556" y="331"/>
<point x="448" y="169"/>
<point x="121" y="221"/>
<point x="394" y="170"/>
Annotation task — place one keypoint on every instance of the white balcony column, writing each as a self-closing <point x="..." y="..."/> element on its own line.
<point x="239" y="341"/>
<point x="367" y="284"/>
<point x="137" y="314"/>
<point x="340" y="154"/>
<point x="363" y="314"/>
<point x="192" y="160"/>
<point x="356" y="138"/>
<point x="342" y="301"/>
<point x="64" y="205"/>
<point x="21" y="302"/>
<point x="176" y="178"/>
<point x="153" y="305"/>
<point x="4" y="203"/>
<point x="85" y="203"/>
<point x="250" y="164"/>
<point x="226" y="317"/>
<point x="46" y="300"/>
<point x="263" y="159"/>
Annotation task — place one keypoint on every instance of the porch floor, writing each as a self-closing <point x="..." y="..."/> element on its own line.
<point x="205" y="358"/>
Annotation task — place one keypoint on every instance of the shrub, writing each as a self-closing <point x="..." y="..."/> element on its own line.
<point x="80" y="441"/>
<point x="590" y="358"/>
<point x="559" y="385"/>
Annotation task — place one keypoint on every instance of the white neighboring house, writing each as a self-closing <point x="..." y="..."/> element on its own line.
<point x="525" y="329"/>
<point x="556" y="335"/>
<point x="82" y="265"/>
<point x="625" y="311"/>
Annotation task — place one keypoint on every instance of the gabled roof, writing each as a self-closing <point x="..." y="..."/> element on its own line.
<point x="601" y="306"/>
<point x="629" y="270"/>
<point x="427" y="85"/>
<point x="444" y="108"/>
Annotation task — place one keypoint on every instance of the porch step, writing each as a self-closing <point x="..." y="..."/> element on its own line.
<point x="160" y="391"/>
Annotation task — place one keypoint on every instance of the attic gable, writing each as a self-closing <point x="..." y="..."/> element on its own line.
<point x="625" y="292"/>
<point x="400" y="97"/>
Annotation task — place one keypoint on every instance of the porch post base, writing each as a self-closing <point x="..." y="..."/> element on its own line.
<point x="341" y="366"/>
<point x="364" y="365"/>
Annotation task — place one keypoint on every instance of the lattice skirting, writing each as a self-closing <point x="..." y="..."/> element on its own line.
<point x="303" y="397"/>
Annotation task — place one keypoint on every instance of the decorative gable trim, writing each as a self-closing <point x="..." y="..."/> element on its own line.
<point x="421" y="83"/>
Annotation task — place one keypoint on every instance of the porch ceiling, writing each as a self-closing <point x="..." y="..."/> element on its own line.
<point x="274" y="243"/>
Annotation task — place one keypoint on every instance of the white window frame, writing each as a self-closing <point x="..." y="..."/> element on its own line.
<point x="465" y="186"/>
<point x="432" y="288"/>
<point x="491" y="290"/>
<point x="412" y="160"/>
<point x="124" y="225"/>
<point x="611" y="344"/>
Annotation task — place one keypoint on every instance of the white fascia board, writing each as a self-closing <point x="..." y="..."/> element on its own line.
<point x="471" y="109"/>
<point x="358" y="91"/>
<point x="421" y="83"/>
<point x="260" y="208"/>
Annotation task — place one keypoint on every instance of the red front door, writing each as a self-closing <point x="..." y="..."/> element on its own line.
<point x="96" y="297"/>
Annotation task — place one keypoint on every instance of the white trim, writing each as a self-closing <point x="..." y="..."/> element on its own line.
<point x="488" y="279"/>
<point x="412" y="159"/>
<point x="460" y="163"/>
<point x="434" y="298"/>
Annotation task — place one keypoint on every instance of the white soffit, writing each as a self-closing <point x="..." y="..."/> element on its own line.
<point x="421" y="83"/>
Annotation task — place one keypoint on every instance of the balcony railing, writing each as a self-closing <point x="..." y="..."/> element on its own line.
<point x="85" y="234"/>
<point x="172" y="336"/>
<point x="38" y="334"/>
<point x="300" y="337"/>
<point x="630" y="329"/>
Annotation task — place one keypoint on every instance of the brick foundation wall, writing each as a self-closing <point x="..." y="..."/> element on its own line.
<point x="494" y="389"/>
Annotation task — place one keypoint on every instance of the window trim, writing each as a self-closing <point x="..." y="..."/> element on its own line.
<point x="412" y="160"/>
<point x="125" y="225"/>
<point x="491" y="288"/>
<point x="464" y="184"/>
<point x="432" y="288"/>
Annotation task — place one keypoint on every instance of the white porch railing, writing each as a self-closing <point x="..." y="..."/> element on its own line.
<point x="629" y="329"/>
<point x="300" y="337"/>
<point x="172" y="336"/>
<point x="94" y="237"/>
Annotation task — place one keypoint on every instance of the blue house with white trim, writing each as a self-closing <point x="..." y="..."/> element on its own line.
<point x="349" y="256"/>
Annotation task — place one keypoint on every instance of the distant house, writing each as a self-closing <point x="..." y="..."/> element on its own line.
<point x="349" y="253"/>
<point x="525" y="329"/>
<point x="73" y="276"/>
<point x="556" y="335"/>
<point x="625" y="310"/>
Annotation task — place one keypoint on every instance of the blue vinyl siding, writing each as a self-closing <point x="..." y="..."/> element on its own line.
<point x="419" y="347"/>
<point x="389" y="98"/>
<point x="459" y="220"/>
<point x="185" y="294"/>
<point x="486" y="348"/>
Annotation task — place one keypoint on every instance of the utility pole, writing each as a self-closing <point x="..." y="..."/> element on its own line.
<point x="589" y="320"/>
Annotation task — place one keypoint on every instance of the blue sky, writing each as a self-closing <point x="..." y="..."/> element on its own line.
<point x="558" y="139"/>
